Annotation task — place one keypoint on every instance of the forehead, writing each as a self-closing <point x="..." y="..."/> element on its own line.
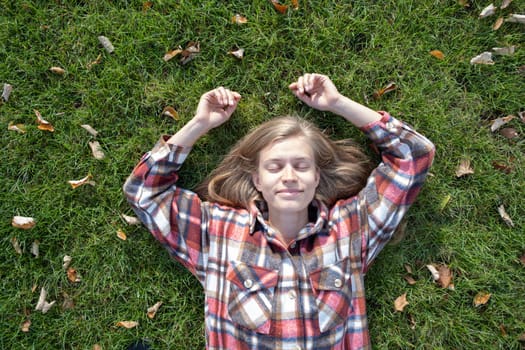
<point x="286" y="148"/>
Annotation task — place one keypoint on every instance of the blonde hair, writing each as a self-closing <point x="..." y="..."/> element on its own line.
<point x="343" y="167"/>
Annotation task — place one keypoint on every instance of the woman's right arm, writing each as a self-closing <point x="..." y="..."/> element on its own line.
<point x="173" y="215"/>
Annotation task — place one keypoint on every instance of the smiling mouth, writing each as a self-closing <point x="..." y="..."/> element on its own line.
<point x="290" y="191"/>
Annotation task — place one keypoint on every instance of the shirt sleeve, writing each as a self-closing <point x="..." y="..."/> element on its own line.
<point x="176" y="217"/>
<point x="406" y="157"/>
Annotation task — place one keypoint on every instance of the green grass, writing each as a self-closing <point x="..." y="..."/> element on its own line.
<point x="361" y="45"/>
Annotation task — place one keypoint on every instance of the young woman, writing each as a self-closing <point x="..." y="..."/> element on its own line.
<point x="287" y="225"/>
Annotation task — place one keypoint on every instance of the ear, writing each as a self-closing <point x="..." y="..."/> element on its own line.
<point x="317" y="177"/>
<point x="256" y="180"/>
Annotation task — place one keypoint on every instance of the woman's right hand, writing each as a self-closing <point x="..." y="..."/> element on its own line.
<point x="216" y="106"/>
<point x="316" y="90"/>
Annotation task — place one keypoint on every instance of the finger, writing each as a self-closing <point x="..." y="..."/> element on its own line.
<point x="293" y="86"/>
<point x="300" y="84"/>
<point x="222" y="96"/>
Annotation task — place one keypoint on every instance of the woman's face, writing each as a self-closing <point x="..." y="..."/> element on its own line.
<point x="287" y="175"/>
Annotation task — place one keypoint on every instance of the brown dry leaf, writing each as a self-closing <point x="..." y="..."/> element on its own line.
<point x="58" y="70"/>
<point x="295" y="4"/>
<point x="401" y="302"/>
<point x="189" y="53"/>
<point x="121" y="234"/>
<point x="239" y="19"/>
<point x="499" y="122"/>
<point x="35" y="248"/>
<point x="6" y="92"/>
<point x="498" y="23"/>
<point x="20" y="128"/>
<point x="16" y="245"/>
<point x="488" y="11"/>
<point x="410" y="280"/>
<point x="505" y="4"/>
<point x="515" y="18"/>
<point x="464" y="168"/>
<point x="438" y="54"/>
<point x="522" y="259"/>
<point x="43" y="124"/>
<point x="445" y="277"/>
<point x="483" y="58"/>
<point x="481" y="298"/>
<point x="146" y="5"/>
<point x="522" y="116"/>
<point x="90" y="129"/>
<point x="170" y="54"/>
<point x="504" y="51"/>
<point x="130" y="220"/>
<point x="127" y="324"/>
<point x="153" y="310"/>
<point x="72" y="275"/>
<point x="96" y="149"/>
<point x="95" y="62"/>
<point x="66" y="261"/>
<point x="106" y="43"/>
<point x="389" y="87"/>
<point x="412" y="321"/>
<point x="503" y="330"/>
<point x="239" y="53"/>
<point x="23" y="222"/>
<point x="509" y="133"/>
<point x="84" y="181"/>
<point x="279" y="7"/>
<point x="25" y="326"/>
<point x="408" y="268"/>
<point x="170" y="112"/>
<point x="68" y="302"/>
<point x="503" y="213"/>
<point x="504" y="167"/>
<point x="42" y="304"/>
<point x="434" y="272"/>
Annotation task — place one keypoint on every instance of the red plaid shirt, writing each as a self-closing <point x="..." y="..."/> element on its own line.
<point x="261" y="294"/>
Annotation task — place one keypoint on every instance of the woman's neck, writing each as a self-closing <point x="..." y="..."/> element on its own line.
<point x="288" y="224"/>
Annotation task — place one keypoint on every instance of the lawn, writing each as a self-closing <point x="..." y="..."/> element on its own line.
<point x="363" y="46"/>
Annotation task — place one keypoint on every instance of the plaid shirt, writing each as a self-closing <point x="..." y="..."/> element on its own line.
<point x="260" y="293"/>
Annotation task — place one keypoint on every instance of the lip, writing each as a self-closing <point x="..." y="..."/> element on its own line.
<point x="289" y="191"/>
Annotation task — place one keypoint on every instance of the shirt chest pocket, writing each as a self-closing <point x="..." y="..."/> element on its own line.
<point x="251" y="297"/>
<point x="333" y="294"/>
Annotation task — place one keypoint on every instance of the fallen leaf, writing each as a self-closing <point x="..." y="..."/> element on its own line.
<point x="20" y="128"/>
<point x="170" y="112"/>
<point x="498" y="122"/>
<point x="464" y="168"/>
<point x="97" y="347"/>
<point x="434" y="272"/>
<point x="16" y="245"/>
<point x="146" y="6"/>
<point x="238" y="19"/>
<point x="106" y="43"/>
<point x="95" y="62"/>
<point x="481" y="298"/>
<point x="521" y="338"/>
<point x="483" y="58"/>
<point x="68" y="302"/>
<point x="43" y="124"/>
<point x="509" y="133"/>
<point x="90" y="129"/>
<point x="23" y="222"/>
<point x="445" y="277"/>
<point x="522" y="116"/>
<point x="408" y="268"/>
<point x="153" y="310"/>
<point x="122" y="235"/>
<point x="35" y="248"/>
<point x="503" y="330"/>
<point x="464" y="3"/>
<point x="127" y="324"/>
<point x="444" y="202"/>
<point x="438" y="54"/>
<point x="295" y="4"/>
<point x="279" y="7"/>
<point x="412" y="321"/>
<point x="389" y="87"/>
<point x="72" y="275"/>
<point x="401" y="302"/>
<point x="189" y="53"/>
<point x="42" y="304"/>
<point x="503" y="213"/>
<point x="514" y="18"/>
<point x="170" y="54"/>
<point x="488" y="11"/>
<point x="498" y="23"/>
<point x="239" y="53"/>
<point x="66" y="261"/>
<point x="410" y="280"/>
<point x="25" y="326"/>
<point x="499" y="165"/>
<point x="86" y="180"/>
<point x="33" y="288"/>
<point x="6" y="92"/>
<point x="504" y="51"/>
<point x="58" y="70"/>
<point x="505" y="4"/>
<point x="522" y="259"/>
<point x="130" y="220"/>
<point x="96" y="149"/>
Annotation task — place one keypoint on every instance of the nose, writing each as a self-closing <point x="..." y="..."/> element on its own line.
<point x="288" y="174"/>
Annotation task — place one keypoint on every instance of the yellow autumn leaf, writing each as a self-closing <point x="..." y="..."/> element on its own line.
<point x="438" y="54"/>
<point x="170" y="54"/>
<point x="153" y="310"/>
<point x="239" y="19"/>
<point x="72" y="275"/>
<point x="20" y="128"/>
<point x="388" y="88"/>
<point x="401" y="302"/>
<point x="58" y="70"/>
<point x="121" y="234"/>
<point x="481" y="298"/>
<point x="279" y="7"/>
<point x="86" y="180"/>
<point x="127" y="324"/>
<point x="170" y="112"/>
<point x="42" y="123"/>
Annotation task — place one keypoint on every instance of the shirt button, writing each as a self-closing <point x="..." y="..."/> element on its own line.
<point x="292" y="295"/>
<point x="390" y="126"/>
<point x="293" y="245"/>
<point x="338" y="283"/>
<point x="248" y="283"/>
